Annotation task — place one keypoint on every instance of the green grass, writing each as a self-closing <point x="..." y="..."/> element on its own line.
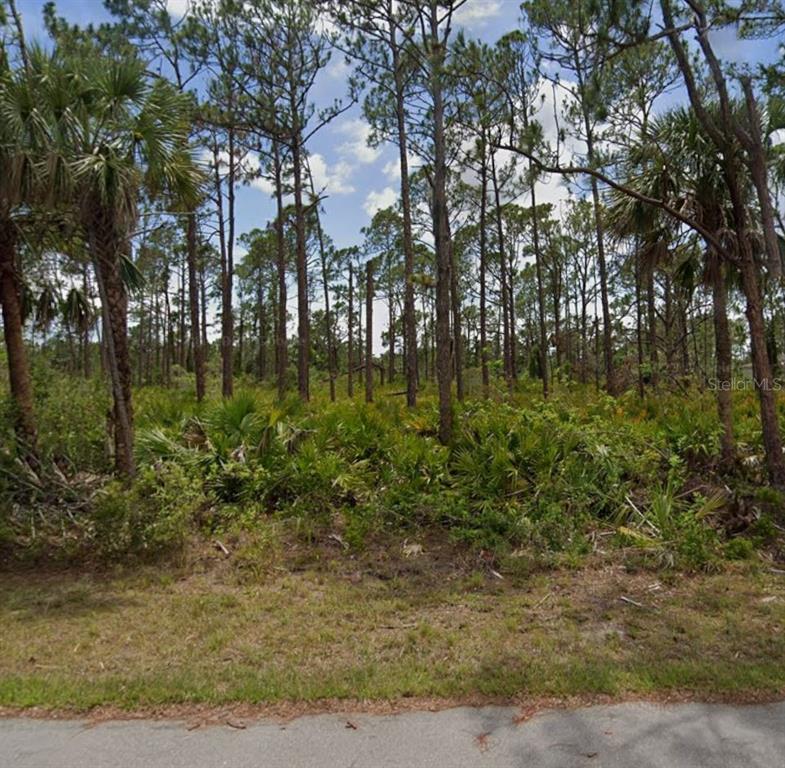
<point x="147" y="640"/>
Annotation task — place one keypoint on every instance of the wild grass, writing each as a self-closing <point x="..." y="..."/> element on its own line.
<point x="151" y="639"/>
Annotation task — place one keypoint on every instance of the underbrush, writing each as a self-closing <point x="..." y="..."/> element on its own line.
<point x="521" y="474"/>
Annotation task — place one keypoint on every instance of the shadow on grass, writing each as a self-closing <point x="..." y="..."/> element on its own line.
<point x="60" y="599"/>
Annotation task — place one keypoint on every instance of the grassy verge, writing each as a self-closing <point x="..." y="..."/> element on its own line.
<point x="149" y="640"/>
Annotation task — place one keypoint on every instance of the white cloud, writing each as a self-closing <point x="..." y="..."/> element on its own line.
<point x="376" y="201"/>
<point x="356" y="147"/>
<point x="335" y="176"/>
<point x="263" y="184"/>
<point x="552" y="116"/>
<point x="477" y="13"/>
<point x="177" y="8"/>
<point x="392" y="170"/>
<point x="338" y="68"/>
<point x="332" y="178"/>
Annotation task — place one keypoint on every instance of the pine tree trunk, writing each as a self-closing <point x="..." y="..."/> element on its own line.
<point x="506" y="346"/>
<point x="513" y="321"/>
<point x="457" y="334"/>
<point x="328" y="324"/>
<point x="441" y="237"/>
<point x="241" y="340"/>
<point x="638" y="319"/>
<point x="409" y="322"/>
<point x="182" y="352"/>
<point x="759" y="173"/>
<point x="668" y="311"/>
<point x="85" y="335"/>
<point x="391" y="329"/>
<point x="369" y="332"/>
<point x="303" y="324"/>
<point x="540" y="290"/>
<point x="599" y="229"/>
<point x="651" y="311"/>
<point x="484" y="268"/>
<point x="350" y="340"/>
<point x="193" y="300"/>
<point x="281" y="351"/>
<point x="261" y="360"/>
<point x="227" y="320"/>
<point x="761" y="367"/>
<point x="557" y="324"/>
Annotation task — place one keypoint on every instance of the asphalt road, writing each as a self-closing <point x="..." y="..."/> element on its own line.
<point x="625" y="735"/>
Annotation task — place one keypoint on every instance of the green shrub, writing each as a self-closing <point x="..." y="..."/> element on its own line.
<point x="672" y="529"/>
<point x="739" y="549"/>
<point x="520" y="472"/>
<point x="154" y="515"/>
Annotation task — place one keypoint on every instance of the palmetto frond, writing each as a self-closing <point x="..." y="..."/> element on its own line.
<point x="77" y="311"/>
<point x="46" y="307"/>
<point x="130" y="274"/>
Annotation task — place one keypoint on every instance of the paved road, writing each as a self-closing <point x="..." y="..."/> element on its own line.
<point x="625" y="735"/>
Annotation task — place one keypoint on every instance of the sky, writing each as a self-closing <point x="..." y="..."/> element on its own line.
<point x="358" y="179"/>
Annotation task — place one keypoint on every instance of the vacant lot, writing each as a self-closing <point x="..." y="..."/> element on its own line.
<point x="145" y="640"/>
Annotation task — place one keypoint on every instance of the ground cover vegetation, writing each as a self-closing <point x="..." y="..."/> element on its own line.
<point x="589" y="383"/>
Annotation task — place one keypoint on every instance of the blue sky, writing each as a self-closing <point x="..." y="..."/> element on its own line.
<point x="358" y="178"/>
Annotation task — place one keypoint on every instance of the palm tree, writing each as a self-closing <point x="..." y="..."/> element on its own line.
<point x="676" y="161"/>
<point x="22" y="136"/>
<point x="120" y="132"/>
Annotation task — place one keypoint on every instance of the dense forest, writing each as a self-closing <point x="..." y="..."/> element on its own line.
<point x="506" y="366"/>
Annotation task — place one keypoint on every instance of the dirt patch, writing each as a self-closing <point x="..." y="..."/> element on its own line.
<point x="242" y="715"/>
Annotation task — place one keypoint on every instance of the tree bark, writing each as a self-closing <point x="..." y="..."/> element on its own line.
<point x="281" y="352"/>
<point x="227" y="320"/>
<point x="722" y="133"/>
<point x="724" y="354"/>
<point x="369" y="331"/>
<point x="607" y="331"/>
<point x="106" y="250"/>
<point x="651" y="312"/>
<point x="506" y="346"/>
<point x="409" y="324"/>
<point x="350" y="340"/>
<point x="18" y="368"/>
<point x="761" y="367"/>
<point x="540" y="288"/>
<point x="441" y="237"/>
<point x="390" y="325"/>
<point x="484" y="268"/>
<point x="193" y="300"/>
<point x="303" y="323"/>
<point x="328" y="325"/>
<point x="638" y="318"/>
<point x="457" y="334"/>
<point x="759" y="172"/>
